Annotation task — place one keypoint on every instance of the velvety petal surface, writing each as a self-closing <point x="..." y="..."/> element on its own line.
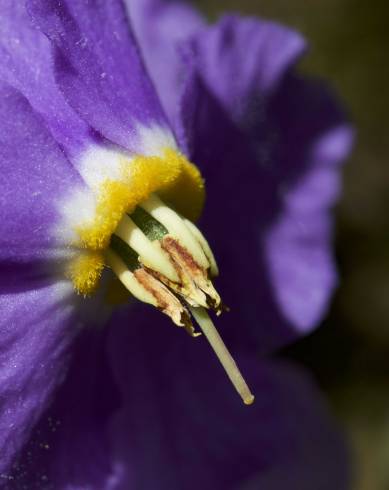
<point x="36" y="329"/>
<point x="99" y="69"/>
<point x="27" y="65"/>
<point x="35" y="176"/>
<point x="182" y="426"/>
<point x="37" y="322"/>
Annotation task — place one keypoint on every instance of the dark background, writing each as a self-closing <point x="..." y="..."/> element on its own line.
<point x="349" y="353"/>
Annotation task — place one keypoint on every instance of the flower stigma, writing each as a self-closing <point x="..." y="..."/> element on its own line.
<point x="142" y="229"/>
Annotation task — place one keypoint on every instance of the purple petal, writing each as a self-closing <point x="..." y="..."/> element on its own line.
<point x="34" y="175"/>
<point x="182" y="426"/>
<point x="160" y="28"/>
<point x="269" y="225"/>
<point x="69" y="448"/>
<point x="177" y="422"/>
<point x="26" y="64"/>
<point x="235" y="57"/>
<point x="98" y="67"/>
<point x="299" y="243"/>
<point x="36" y="329"/>
<point x="264" y="141"/>
<point x="239" y="58"/>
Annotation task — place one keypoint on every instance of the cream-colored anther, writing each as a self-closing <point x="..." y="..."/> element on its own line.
<point x="128" y="279"/>
<point x="150" y="253"/>
<point x="176" y="228"/>
<point x="216" y="342"/>
<point x="205" y="246"/>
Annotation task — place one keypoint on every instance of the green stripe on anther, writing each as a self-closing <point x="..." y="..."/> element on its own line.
<point x="126" y="253"/>
<point x="152" y="228"/>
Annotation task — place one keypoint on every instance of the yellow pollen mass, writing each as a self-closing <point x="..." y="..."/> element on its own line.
<point x="85" y="271"/>
<point x="170" y="175"/>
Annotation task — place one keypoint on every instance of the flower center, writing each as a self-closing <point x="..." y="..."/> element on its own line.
<point x="123" y="185"/>
<point x="159" y="255"/>
<point x="161" y="259"/>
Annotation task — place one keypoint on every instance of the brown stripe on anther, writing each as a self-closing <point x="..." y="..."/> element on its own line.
<point x="181" y="254"/>
<point x="197" y="286"/>
<point x="165" y="299"/>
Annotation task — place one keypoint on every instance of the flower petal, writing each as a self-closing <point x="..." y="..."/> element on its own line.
<point x="99" y="69"/>
<point x="69" y="447"/>
<point x="239" y="58"/>
<point x="264" y="141"/>
<point x="236" y="57"/>
<point x="177" y="422"/>
<point x="182" y="426"/>
<point x="34" y="175"/>
<point x="160" y="28"/>
<point x="26" y="64"/>
<point x="36" y="329"/>
<point x="262" y="171"/>
<point x="299" y="242"/>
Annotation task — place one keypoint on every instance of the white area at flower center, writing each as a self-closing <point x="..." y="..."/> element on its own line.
<point x="97" y="165"/>
<point x="100" y="163"/>
<point x="76" y="209"/>
<point x="154" y="139"/>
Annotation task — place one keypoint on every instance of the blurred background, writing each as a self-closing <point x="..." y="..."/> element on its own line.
<point x="349" y="353"/>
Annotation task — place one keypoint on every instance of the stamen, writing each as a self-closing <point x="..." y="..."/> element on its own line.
<point x="128" y="279"/>
<point x="176" y="227"/>
<point x="214" y="270"/>
<point x="232" y="370"/>
<point x="146" y="288"/>
<point x="150" y="253"/>
<point x="172" y="271"/>
<point x="152" y="228"/>
<point x="197" y="286"/>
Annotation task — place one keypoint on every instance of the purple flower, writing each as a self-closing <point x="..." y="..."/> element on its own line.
<point x="95" y="121"/>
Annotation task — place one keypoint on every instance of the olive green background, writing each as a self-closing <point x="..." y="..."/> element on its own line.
<point x="349" y="354"/>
